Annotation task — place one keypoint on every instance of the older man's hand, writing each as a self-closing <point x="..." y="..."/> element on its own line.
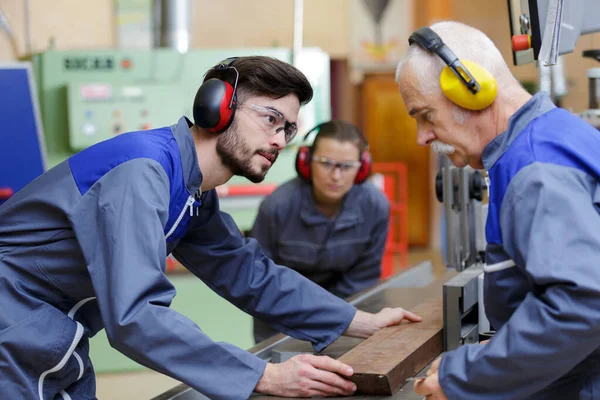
<point x="430" y="386"/>
<point x="434" y="366"/>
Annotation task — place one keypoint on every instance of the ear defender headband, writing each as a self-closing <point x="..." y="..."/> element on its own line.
<point x="304" y="158"/>
<point x="463" y="82"/>
<point x="215" y="101"/>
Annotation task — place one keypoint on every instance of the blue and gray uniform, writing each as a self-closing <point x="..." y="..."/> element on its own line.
<point x="542" y="279"/>
<point x="343" y="255"/>
<point x="84" y="247"/>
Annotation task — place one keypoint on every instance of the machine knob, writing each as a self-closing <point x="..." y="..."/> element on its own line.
<point x="477" y="186"/>
<point x="521" y="42"/>
<point x="439" y="187"/>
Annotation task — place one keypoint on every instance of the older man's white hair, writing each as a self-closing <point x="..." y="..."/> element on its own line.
<point x="467" y="43"/>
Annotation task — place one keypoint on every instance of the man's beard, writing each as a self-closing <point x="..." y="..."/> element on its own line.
<point x="442" y="148"/>
<point x="236" y="155"/>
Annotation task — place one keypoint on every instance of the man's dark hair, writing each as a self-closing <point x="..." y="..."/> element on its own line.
<point x="341" y="131"/>
<point x="265" y="76"/>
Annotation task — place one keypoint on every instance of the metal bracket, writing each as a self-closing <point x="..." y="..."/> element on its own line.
<point x="461" y="312"/>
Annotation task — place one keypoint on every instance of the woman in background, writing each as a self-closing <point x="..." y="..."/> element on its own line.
<point x="328" y="224"/>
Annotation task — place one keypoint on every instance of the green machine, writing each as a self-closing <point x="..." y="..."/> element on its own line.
<point x="93" y="95"/>
<point x="90" y="96"/>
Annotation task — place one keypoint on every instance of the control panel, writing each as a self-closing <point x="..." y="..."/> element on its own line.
<point x="99" y="111"/>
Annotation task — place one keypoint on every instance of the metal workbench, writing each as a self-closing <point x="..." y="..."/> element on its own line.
<point x="406" y="290"/>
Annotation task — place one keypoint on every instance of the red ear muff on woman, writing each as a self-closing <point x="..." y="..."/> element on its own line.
<point x="366" y="162"/>
<point x="215" y="101"/>
<point x="304" y="159"/>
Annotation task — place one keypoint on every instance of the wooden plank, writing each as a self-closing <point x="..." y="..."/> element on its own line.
<point x="383" y="362"/>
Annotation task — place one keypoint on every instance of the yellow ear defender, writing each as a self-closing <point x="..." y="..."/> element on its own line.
<point x="463" y="82"/>
<point x="455" y="89"/>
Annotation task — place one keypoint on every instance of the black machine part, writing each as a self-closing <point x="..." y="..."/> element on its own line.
<point x="594" y="80"/>
<point x="477" y="186"/>
<point x="595" y="54"/>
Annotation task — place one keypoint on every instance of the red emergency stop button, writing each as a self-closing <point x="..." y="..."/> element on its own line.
<point x="126" y="63"/>
<point x="521" y="42"/>
<point x="5" y="193"/>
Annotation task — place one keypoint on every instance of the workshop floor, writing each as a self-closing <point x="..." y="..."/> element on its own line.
<point x="147" y="384"/>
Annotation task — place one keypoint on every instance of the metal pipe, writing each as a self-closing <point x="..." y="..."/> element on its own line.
<point x="545" y="79"/>
<point x="464" y="210"/>
<point x="448" y="199"/>
<point x="593" y="75"/>
<point x="171" y="24"/>
<point x="298" y="27"/>
<point x="156" y="15"/>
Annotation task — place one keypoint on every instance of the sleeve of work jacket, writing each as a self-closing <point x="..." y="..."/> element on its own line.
<point x="264" y="229"/>
<point x="549" y="221"/>
<point x="120" y="225"/>
<point x="366" y="272"/>
<point x="237" y="269"/>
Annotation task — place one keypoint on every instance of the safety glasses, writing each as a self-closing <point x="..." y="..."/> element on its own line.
<point x="272" y="121"/>
<point x="331" y="165"/>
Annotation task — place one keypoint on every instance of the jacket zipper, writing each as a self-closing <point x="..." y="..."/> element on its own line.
<point x="188" y="203"/>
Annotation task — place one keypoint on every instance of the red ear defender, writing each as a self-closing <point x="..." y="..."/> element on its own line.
<point x="303" y="163"/>
<point x="215" y="101"/>
<point x="366" y="163"/>
<point x="225" y="113"/>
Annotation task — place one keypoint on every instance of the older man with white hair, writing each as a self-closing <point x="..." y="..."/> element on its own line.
<point x="542" y="279"/>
